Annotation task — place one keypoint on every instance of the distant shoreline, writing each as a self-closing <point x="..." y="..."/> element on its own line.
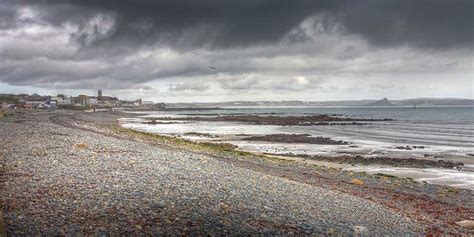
<point x="405" y="102"/>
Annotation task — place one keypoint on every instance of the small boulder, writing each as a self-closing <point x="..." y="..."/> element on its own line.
<point x="80" y="145"/>
<point x="468" y="224"/>
<point x="357" y="182"/>
<point x="361" y="231"/>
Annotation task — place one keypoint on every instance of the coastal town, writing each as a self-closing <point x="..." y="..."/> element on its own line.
<point x="79" y="102"/>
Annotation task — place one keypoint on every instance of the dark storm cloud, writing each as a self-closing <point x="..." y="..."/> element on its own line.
<point x="7" y="16"/>
<point x="222" y="24"/>
<point x="422" y="23"/>
<point x="185" y="24"/>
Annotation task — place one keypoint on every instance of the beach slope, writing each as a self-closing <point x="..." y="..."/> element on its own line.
<point x="61" y="173"/>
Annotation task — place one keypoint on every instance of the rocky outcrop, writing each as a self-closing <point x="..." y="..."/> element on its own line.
<point x="296" y="138"/>
<point x="382" y="102"/>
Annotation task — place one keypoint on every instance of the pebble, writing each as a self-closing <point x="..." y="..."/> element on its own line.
<point x="361" y="231"/>
<point x="357" y="182"/>
<point x="468" y="224"/>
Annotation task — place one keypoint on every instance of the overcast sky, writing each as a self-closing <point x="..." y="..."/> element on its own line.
<point x="221" y="50"/>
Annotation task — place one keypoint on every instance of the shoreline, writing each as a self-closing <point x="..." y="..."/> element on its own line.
<point x="416" y="168"/>
<point x="383" y="190"/>
<point x="456" y="168"/>
<point x="373" y="140"/>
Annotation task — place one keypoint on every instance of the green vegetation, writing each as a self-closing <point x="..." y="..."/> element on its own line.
<point x="4" y="113"/>
<point x="385" y="175"/>
<point x="220" y="149"/>
<point x="452" y="190"/>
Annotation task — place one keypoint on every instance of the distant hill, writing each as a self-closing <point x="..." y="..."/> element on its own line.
<point x="382" y="102"/>
<point x="434" y="101"/>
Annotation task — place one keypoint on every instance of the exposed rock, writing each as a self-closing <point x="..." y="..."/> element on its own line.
<point x="331" y="231"/>
<point x="361" y="231"/>
<point x="154" y="122"/>
<point x="404" y="162"/>
<point x="296" y="138"/>
<point x="404" y="148"/>
<point x="321" y="119"/>
<point x="468" y="224"/>
<point x="357" y="182"/>
<point x="80" y="145"/>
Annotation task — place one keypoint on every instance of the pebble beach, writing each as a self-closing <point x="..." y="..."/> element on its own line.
<point x="63" y="174"/>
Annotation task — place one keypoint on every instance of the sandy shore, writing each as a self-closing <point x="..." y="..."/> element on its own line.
<point x="73" y="173"/>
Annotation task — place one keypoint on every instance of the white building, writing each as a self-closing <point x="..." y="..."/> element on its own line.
<point x="145" y="102"/>
<point x="92" y="101"/>
<point x="61" y="100"/>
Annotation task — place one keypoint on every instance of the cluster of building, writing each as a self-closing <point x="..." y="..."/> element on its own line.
<point x="35" y="101"/>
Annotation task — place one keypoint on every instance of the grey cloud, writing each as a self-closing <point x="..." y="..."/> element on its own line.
<point x="223" y="24"/>
<point x="190" y="86"/>
<point x="7" y="16"/>
<point x="94" y="30"/>
<point x="269" y="82"/>
<point x="424" y="23"/>
<point x="242" y="83"/>
<point x="254" y="44"/>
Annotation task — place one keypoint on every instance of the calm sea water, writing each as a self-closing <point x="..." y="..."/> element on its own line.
<point x="440" y="115"/>
<point x="448" y="127"/>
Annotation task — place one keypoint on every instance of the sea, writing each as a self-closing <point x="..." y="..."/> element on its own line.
<point x="424" y="132"/>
